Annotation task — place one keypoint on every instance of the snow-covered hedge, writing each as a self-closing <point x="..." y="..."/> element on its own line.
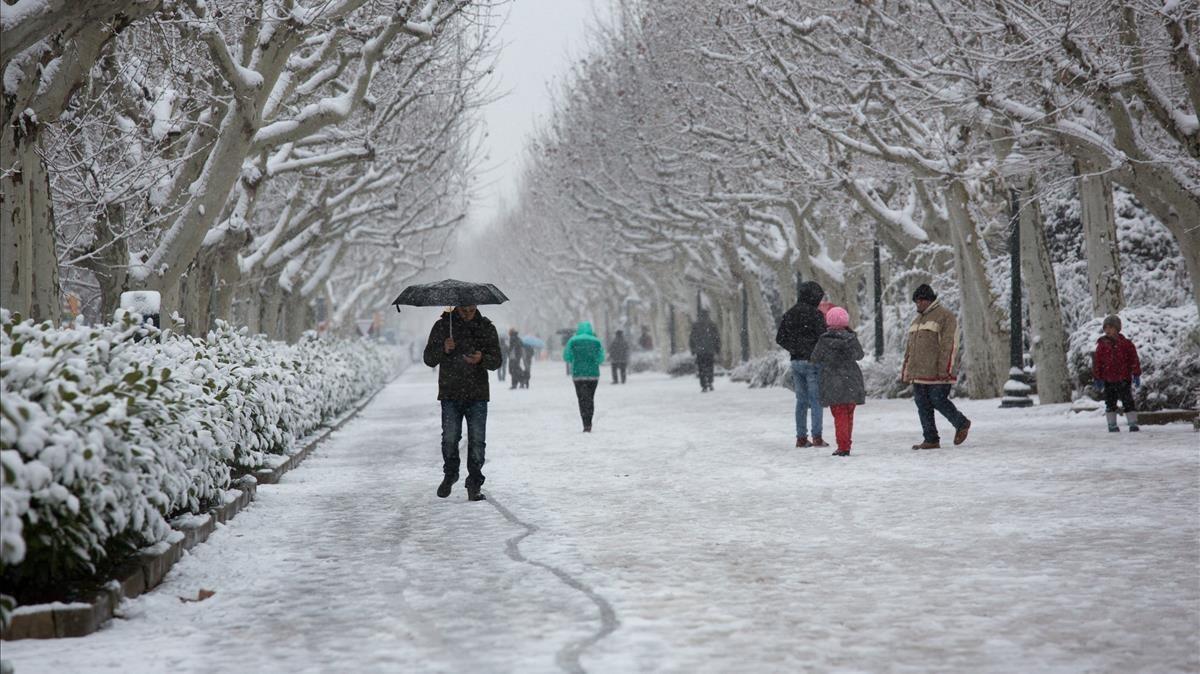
<point x="644" y="361"/>
<point x="681" y="365"/>
<point x="772" y="369"/>
<point x="105" y="434"/>
<point x="1168" y="344"/>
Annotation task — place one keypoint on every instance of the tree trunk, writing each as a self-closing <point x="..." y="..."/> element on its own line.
<point x="27" y="243"/>
<point x="1045" y="311"/>
<point x="985" y="352"/>
<point x="1100" y="239"/>
<point x="272" y="296"/>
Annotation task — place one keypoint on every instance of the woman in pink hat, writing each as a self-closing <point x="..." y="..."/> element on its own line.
<point x="838" y="352"/>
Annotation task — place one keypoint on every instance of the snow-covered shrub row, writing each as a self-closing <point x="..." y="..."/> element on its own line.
<point x="681" y="365"/>
<point x="771" y="369"/>
<point x="1168" y="344"/>
<point x="106" y="432"/>
<point x="644" y="361"/>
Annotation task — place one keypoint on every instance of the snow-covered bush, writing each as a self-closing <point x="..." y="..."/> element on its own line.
<point x="681" y="365"/>
<point x="764" y="371"/>
<point x="882" y="378"/>
<point x="644" y="361"/>
<point x="106" y="434"/>
<point x="1168" y="344"/>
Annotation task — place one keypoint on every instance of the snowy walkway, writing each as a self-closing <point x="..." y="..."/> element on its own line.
<point x="687" y="535"/>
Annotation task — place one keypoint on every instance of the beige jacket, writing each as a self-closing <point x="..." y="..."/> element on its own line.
<point x="931" y="356"/>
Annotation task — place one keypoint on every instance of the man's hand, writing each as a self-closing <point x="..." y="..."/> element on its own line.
<point x="448" y="345"/>
<point x="474" y="358"/>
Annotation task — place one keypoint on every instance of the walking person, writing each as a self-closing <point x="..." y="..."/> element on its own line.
<point x="930" y="359"/>
<point x="705" y="344"/>
<point x="516" y="350"/>
<point x="526" y="364"/>
<point x="1116" y="371"/>
<point x="503" y="359"/>
<point x="842" y="389"/>
<point x="618" y="353"/>
<point x="801" y="327"/>
<point x="463" y="345"/>
<point x="584" y="352"/>
<point x="645" y="342"/>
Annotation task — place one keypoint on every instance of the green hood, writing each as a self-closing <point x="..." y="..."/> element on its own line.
<point x="584" y="352"/>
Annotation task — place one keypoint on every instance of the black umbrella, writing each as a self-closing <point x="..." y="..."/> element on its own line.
<point x="449" y="293"/>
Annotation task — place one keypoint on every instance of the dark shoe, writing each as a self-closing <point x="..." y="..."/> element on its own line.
<point x="802" y="441"/>
<point x="842" y="452"/>
<point x="1134" y="428"/>
<point x="928" y="445"/>
<point x="587" y="429"/>
<point x="1114" y="429"/>
<point x="444" y="488"/>
<point x="473" y="494"/>
<point x="960" y="436"/>
<point x="818" y="442"/>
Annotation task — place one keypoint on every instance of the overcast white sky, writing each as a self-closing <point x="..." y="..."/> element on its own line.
<point x="537" y="44"/>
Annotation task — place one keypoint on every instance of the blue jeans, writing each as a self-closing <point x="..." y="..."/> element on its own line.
<point x="930" y="397"/>
<point x="806" y="378"/>
<point x="453" y="413"/>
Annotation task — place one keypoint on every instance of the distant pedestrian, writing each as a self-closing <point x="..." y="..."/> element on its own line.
<point x="618" y="353"/>
<point x="645" y="342"/>
<point x="798" y="332"/>
<point x="705" y="344"/>
<point x="503" y="359"/>
<point x="930" y="359"/>
<point x="837" y="354"/>
<point x="585" y="353"/>
<point x="516" y="352"/>
<point x="526" y="364"/>
<point x="463" y="345"/>
<point x="1116" y="371"/>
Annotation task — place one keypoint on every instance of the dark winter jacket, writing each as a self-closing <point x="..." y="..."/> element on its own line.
<point x="618" y="350"/>
<point x="705" y="339"/>
<point x="515" y="354"/>
<point x="1116" y="359"/>
<point x="838" y="353"/>
<point x="803" y="324"/>
<point x="458" y="379"/>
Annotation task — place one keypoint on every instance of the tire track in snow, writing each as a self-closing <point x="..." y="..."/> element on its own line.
<point x="568" y="656"/>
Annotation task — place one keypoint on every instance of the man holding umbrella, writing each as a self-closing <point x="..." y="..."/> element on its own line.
<point x="463" y="345"/>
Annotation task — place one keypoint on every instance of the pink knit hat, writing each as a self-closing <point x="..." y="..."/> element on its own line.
<point x="837" y="318"/>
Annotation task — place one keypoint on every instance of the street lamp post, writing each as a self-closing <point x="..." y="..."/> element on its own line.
<point x="1016" y="389"/>
<point x="878" y="305"/>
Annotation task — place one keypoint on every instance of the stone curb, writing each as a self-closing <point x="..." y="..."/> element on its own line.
<point x="144" y="572"/>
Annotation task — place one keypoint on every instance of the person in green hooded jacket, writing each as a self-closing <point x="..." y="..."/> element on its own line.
<point x="584" y="353"/>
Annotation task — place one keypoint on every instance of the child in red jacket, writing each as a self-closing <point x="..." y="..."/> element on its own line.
<point x="1116" y="372"/>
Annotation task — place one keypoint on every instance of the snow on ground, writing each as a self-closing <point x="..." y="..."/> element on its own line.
<point x="688" y="535"/>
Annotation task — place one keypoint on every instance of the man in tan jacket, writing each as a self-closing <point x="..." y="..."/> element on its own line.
<point x="930" y="359"/>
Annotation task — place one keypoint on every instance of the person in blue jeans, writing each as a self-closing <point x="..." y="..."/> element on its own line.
<point x="798" y="332"/>
<point x="463" y="345"/>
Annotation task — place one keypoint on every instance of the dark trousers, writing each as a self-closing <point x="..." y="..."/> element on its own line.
<point x="453" y="413"/>
<point x="1119" y="391"/>
<point x="704" y="366"/>
<point x="585" y="391"/>
<point x="618" y="372"/>
<point x="930" y="397"/>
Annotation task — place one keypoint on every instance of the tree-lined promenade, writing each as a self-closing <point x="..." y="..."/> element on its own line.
<point x="731" y="147"/>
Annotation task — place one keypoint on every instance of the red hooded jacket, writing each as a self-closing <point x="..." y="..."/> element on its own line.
<point x="1116" y="359"/>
